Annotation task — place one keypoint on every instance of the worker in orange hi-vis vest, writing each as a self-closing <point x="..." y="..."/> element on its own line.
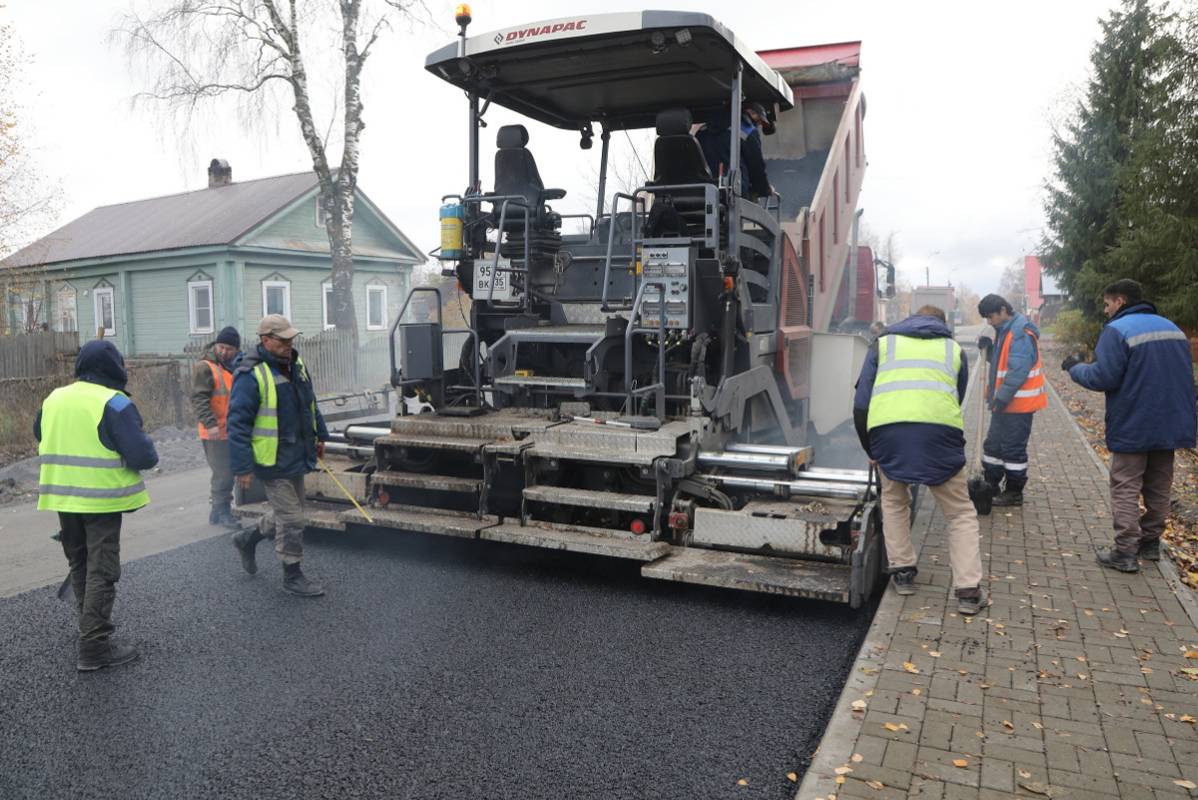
<point x="211" y="382"/>
<point x="1015" y="390"/>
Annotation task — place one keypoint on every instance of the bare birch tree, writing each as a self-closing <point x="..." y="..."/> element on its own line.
<point x="197" y="51"/>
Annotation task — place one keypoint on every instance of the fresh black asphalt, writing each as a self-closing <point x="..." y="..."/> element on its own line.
<point x="434" y="668"/>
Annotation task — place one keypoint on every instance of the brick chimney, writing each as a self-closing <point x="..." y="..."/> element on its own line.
<point x="219" y="173"/>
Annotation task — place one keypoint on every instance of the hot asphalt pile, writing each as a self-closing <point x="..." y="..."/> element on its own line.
<point x="433" y="669"/>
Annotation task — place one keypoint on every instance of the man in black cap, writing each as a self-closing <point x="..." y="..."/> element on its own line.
<point x="211" y="382"/>
<point x="715" y="139"/>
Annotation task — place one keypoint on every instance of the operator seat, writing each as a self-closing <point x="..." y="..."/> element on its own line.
<point x="677" y="159"/>
<point x="516" y="174"/>
<point x="677" y="156"/>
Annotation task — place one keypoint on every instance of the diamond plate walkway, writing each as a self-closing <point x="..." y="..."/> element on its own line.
<point x="1075" y="684"/>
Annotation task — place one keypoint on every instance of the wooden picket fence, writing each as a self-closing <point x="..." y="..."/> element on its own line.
<point x="33" y="355"/>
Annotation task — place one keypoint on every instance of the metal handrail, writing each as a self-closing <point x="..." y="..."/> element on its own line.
<point x="611" y="241"/>
<point x="505" y="199"/>
<point x="629" y="331"/>
<point x="400" y="323"/>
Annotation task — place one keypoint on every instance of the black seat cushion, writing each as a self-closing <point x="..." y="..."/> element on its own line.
<point x="516" y="171"/>
<point x="677" y="156"/>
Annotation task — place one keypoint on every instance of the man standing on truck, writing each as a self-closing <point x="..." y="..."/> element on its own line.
<point x="1143" y="363"/>
<point x="1015" y="391"/>
<point x="91" y="446"/>
<point x="276" y="434"/>
<point x="907" y="412"/>
<point x="211" y="382"/>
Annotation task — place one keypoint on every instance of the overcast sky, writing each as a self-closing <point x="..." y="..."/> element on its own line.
<point x="960" y="104"/>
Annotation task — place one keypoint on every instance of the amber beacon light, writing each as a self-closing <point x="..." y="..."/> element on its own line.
<point x="462" y="15"/>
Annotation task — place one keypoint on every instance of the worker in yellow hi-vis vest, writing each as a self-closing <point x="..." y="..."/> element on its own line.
<point x="91" y="447"/>
<point x="907" y="412"/>
<point x="276" y="434"/>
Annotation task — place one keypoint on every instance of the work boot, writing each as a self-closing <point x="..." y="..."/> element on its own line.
<point x="1150" y="549"/>
<point x="213" y="517"/>
<point x="1008" y="497"/>
<point x="109" y="654"/>
<point x="246" y="541"/>
<point x="1113" y="559"/>
<point x="971" y="601"/>
<point x="296" y="583"/>
<point x="904" y="581"/>
<point x="225" y="517"/>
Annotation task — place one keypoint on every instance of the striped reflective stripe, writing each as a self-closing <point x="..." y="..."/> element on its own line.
<point x="82" y="461"/>
<point x="1155" y="336"/>
<point x="1029" y="392"/>
<point x="898" y="386"/>
<point x="264" y="432"/>
<point x="998" y="462"/>
<point x="892" y="363"/>
<point x="80" y="491"/>
<point x="268" y="412"/>
<point x="1002" y="373"/>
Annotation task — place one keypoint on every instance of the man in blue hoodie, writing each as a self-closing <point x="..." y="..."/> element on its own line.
<point x="907" y="412"/>
<point x="1143" y="363"/>
<point x="91" y="447"/>
<point x="276" y="434"/>
<point x="1014" y="392"/>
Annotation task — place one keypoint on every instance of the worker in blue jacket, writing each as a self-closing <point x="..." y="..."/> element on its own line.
<point x="1143" y="363"/>
<point x="907" y="412"/>
<point x="1015" y="390"/>
<point x="276" y="435"/>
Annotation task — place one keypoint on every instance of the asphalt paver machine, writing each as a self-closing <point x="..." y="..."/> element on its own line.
<point x="640" y="389"/>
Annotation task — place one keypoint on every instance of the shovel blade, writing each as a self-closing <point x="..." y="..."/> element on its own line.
<point x="981" y="495"/>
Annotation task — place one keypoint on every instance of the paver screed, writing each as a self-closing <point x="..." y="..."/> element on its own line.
<point x="1077" y="682"/>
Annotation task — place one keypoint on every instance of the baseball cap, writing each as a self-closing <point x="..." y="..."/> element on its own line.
<point x="278" y="326"/>
<point x="767" y="125"/>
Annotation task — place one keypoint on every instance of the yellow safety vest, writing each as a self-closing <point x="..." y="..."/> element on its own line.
<point x="916" y="382"/>
<point x="78" y="473"/>
<point x="264" y="439"/>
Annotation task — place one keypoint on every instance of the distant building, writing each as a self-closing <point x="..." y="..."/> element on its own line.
<point x="1032" y="299"/>
<point x="1053" y="300"/>
<point x="159" y="276"/>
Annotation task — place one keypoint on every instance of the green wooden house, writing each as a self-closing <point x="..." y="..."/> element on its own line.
<point x="159" y="276"/>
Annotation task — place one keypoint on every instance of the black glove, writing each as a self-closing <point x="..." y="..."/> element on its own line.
<point x="1070" y="362"/>
<point x="985" y="344"/>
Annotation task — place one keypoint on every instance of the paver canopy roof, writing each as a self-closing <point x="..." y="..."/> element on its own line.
<point x="212" y="216"/>
<point x="620" y="69"/>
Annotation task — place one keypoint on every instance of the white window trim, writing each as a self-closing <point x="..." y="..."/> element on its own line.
<point x="382" y="289"/>
<point x="286" y="286"/>
<point x="326" y="293"/>
<point x="319" y="213"/>
<point x="192" y="307"/>
<point x="66" y="291"/>
<point x="97" y="293"/>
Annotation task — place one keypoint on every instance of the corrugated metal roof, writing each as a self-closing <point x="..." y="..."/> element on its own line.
<point x="214" y="216"/>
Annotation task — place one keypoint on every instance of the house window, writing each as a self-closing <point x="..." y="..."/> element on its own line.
<point x="322" y="219"/>
<point x="276" y="298"/>
<point x="67" y="320"/>
<point x="105" y="304"/>
<point x="199" y="306"/>
<point x="376" y="308"/>
<point x="326" y="305"/>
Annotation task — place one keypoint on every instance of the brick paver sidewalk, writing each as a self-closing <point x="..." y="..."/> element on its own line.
<point x="1073" y="685"/>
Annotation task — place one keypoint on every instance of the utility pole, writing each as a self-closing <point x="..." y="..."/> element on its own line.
<point x="927" y="276"/>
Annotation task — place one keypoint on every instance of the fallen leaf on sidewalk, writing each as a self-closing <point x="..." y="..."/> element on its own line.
<point x="934" y="653"/>
<point x="792" y="777"/>
<point x="1191" y="654"/>
<point x="1006" y="723"/>
<point x="890" y="726"/>
<point x="1035" y="787"/>
<point x="1186" y="784"/>
<point x="843" y="770"/>
<point x="909" y="667"/>
<point x="917" y="691"/>
<point x="876" y="785"/>
<point x="859" y="705"/>
<point x="857" y="758"/>
<point x="960" y="762"/>
<point x="1187" y="718"/>
<point x="1023" y="773"/>
<point x="742" y="782"/>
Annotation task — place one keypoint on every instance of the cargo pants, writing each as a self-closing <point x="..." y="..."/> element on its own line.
<point x="964" y="543"/>
<point x="221" y="485"/>
<point x="92" y="544"/>
<point x="285" y="521"/>
<point x="1133" y="474"/>
<point x="1004" y="452"/>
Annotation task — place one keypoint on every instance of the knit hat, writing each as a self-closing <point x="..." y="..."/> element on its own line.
<point x="229" y="336"/>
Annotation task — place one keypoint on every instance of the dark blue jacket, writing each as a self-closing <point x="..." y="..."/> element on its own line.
<point x="1143" y="363"/>
<point x="716" y="142"/>
<point x="911" y="452"/>
<point x="1020" y="360"/>
<point x="120" y="427"/>
<point x="297" y="442"/>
